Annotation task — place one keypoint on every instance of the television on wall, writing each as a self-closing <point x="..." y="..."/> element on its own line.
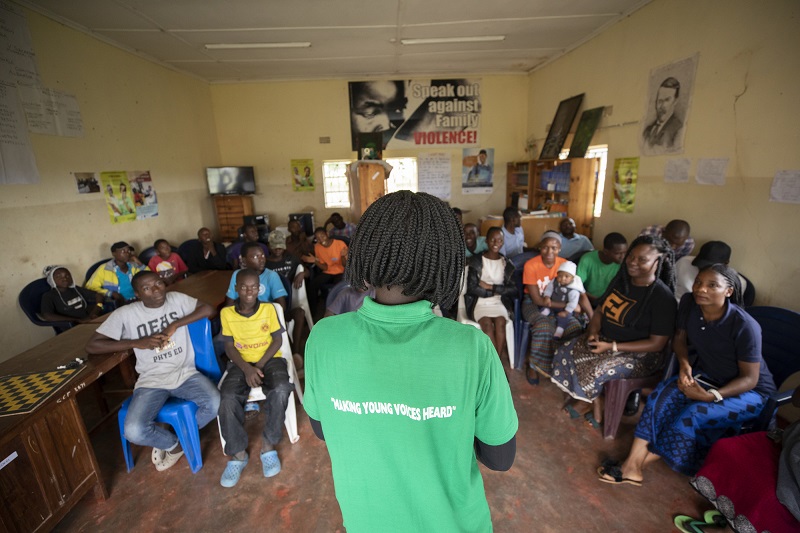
<point x="231" y="180"/>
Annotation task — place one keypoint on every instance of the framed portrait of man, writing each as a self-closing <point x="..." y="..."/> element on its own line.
<point x="667" y="107"/>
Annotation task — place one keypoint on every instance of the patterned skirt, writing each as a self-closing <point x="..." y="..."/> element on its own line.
<point x="681" y="431"/>
<point x="542" y="344"/>
<point x="581" y="373"/>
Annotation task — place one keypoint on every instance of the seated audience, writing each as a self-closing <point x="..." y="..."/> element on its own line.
<point x="475" y="243"/>
<point x="66" y="302"/>
<point x="205" y="254"/>
<point x="166" y="263"/>
<point x="270" y="288"/>
<point x="113" y="279"/>
<point x="339" y="228"/>
<point x="489" y="299"/>
<point x="627" y="335"/>
<point x="597" y="268"/>
<point x="687" y="268"/>
<point x="561" y="296"/>
<point x="252" y="333"/>
<point x="235" y="250"/>
<point x="676" y="233"/>
<point x="537" y="273"/>
<point x="154" y="328"/>
<point x="513" y="237"/>
<point x="290" y="267"/>
<point x="299" y="245"/>
<point x="349" y="299"/>
<point x="713" y="396"/>
<point x="573" y="244"/>
<point x="330" y="257"/>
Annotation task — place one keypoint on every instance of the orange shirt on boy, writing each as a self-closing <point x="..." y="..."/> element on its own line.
<point x="331" y="256"/>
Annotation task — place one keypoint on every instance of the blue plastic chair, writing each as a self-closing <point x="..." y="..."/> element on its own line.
<point x="94" y="267"/>
<point x="181" y="414"/>
<point x="30" y="300"/>
<point x="780" y="337"/>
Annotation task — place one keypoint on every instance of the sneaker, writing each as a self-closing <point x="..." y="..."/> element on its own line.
<point x="232" y="473"/>
<point x="632" y="403"/>
<point x="164" y="459"/>
<point x="270" y="464"/>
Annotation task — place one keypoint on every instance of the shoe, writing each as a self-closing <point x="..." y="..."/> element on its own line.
<point x="270" y="464"/>
<point x="164" y="459"/>
<point x="232" y="473"/>
<point x="532" y="376"/>
<point x="251" y="410"/>
<point x="613" y="475"/>
<point x="632" y="403"/>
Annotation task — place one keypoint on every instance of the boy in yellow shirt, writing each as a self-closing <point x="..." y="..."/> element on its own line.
<point x="252" y="334"/>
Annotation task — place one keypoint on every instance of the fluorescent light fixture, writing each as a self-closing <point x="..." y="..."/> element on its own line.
<point x="449" y="40"/>
<point x="248" y="46"/>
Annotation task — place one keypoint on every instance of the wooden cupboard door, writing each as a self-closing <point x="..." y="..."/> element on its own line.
<point x="24" y="484"/>
<point x="582" y="187"/>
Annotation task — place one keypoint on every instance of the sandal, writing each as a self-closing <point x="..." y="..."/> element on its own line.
<point x="573" y="414"/>
<point x="232" y="473"/>
<point x="532" y="380"/>
<point x="270" y="464"/>
<point x="592" y="421"/>
<point x="711" y="519"/>
<point x="613" y="475"/>
<point x="164" y="459"/>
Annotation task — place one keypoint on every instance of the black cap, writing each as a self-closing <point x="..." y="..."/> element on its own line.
<point x="119" y="245"/>
<point x="713" y="252"/>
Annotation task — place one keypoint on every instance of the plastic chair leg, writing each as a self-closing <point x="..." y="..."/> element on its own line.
<point x="290" y="420"/>
<point x="616" y="394"/>
<point x="522" y="346"/>
<point x="181" y="415"/>
<point x="126" y="446"/>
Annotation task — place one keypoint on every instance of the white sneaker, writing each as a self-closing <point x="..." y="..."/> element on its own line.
<point x="164" y="459"/>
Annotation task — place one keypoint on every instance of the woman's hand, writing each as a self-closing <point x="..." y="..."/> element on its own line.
<point x="309" y="258"/>
<point x="598" y="346"/>
<point x="547" y="301"/>
<point x="486" y="286"/>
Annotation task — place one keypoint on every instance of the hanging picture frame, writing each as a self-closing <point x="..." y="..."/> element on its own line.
<point x="559" y="129"/>
<point x="587" y="125"/>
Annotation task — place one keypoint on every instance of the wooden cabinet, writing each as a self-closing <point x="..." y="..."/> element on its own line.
<point x="566" y="186"/>
<point x="231" y="210"/>
<point x="367" y="183"/>
<point x="49" y="466"/>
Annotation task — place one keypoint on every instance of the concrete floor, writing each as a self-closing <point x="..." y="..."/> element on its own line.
<point x="551" y="487"/>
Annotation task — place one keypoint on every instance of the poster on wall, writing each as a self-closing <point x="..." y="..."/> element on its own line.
<point x="119" y="202"/>
<point x="414" y="113"/>
<point x="434" y="174"/>
<point x="302" y="174"/>
<point x="667" y="108"/>
<point x="559" y="128"/>
<point x="477" y="171"/>
<point x="626" y="174"/>
<point x="144" y="194"/>
<point x="87" y="182"/>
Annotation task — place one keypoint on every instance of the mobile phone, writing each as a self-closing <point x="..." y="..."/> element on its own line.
<point x="705" y="382"/>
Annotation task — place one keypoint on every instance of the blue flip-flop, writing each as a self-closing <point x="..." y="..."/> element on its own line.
<point x="270" y="464"/>
<point x="232" y="473"/>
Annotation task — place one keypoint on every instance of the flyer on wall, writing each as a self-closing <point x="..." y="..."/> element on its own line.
<point x="416" y="113"/>
<point x="477" y="171"/>
<point x="302" y="174"/>
<point x="626" y="174"/>
<point x="118" y="200"/>
<point x="144" y="194"/>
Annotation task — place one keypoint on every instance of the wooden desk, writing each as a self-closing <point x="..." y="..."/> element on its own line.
<point x="209" y="286"/>
<point x="55" y="465"/>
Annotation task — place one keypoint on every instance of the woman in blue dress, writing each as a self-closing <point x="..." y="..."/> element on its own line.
<point x="723" y="388"/>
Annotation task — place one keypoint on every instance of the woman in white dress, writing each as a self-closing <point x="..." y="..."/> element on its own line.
<point x="491" y="289"/>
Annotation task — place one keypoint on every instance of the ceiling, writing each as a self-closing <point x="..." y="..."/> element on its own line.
<point x="351" y="39"/>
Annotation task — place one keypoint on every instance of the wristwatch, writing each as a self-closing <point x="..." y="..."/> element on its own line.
<point x="716" y="394"/>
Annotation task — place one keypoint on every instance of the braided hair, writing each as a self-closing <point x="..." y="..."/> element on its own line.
<point x="731" y="277"/>
<point x="665" y="271"/>
<point x="410" y="240"/>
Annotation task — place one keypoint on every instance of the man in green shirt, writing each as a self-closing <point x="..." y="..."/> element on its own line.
<point x="408" y="402"/>
<point x="597" y="268"/>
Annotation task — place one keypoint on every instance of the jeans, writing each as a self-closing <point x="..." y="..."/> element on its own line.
<point x="140" y="426"/>
<point x="234" y="391"/>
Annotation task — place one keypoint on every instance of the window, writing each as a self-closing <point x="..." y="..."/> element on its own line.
<point x="601" y="152"/>
<point x="337" y="188"/>
<point x="334" y="184"/>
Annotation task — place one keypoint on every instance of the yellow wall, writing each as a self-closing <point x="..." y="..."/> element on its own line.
<point x="745" y="107"/>
<point x="136" y="116"/>
<point x="269" y="124"/>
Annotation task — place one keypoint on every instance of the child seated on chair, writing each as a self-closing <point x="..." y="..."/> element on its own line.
<point x="565" y="291"/>
<point x="252" y="333"/>
<point x="167" y="263"/>
<point x="153" y="328"/>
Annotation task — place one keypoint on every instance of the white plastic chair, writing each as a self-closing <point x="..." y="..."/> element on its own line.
<point x="256" y="394"/>
<point x="300" y="299"/>
<point x="461" y="316"/>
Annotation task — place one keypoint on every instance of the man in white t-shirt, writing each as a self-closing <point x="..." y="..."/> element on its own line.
<point x="154" y="327"/>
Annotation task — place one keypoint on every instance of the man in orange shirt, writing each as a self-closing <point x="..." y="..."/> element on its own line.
<point x="330" y="258"/>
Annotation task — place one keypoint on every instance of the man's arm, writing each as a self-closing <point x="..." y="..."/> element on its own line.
<point x="201" y="310"/>
<point x="499" y="458"/>
<point x="100" y="344"/>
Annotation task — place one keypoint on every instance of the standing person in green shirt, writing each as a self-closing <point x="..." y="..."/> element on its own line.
<point x="408" y="402"/>
<point x="597" y="268"/>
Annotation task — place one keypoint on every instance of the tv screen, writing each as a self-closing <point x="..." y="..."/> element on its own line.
<point x="231" y="180"/>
